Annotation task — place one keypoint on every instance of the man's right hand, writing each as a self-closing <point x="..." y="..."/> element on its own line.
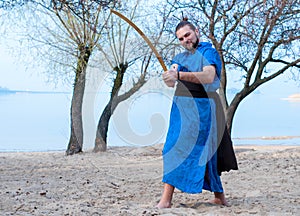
<point x="170" y="77"/>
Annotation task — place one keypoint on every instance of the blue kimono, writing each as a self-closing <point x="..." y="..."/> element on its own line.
<point x="190" y="150"/>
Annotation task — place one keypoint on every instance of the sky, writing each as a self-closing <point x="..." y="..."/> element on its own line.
<point x="15" y="76"/>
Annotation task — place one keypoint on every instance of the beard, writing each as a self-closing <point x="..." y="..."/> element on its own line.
<point x="193" y="46"/>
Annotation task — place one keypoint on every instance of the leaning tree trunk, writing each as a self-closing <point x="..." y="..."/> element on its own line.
<point x="102" y="128"/>
<point x="230" y="112"/>
<point x="76" y="137"/>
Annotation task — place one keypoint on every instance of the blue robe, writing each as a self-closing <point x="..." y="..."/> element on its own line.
<point x="190" y="150"/>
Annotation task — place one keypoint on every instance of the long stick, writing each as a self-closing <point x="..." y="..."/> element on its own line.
<point x="158" y="56"/>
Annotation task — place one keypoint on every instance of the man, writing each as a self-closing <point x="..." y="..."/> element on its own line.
<point x="190" y="150"/>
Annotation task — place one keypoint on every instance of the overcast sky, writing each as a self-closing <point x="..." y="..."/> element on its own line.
<point x="14" y="76"/>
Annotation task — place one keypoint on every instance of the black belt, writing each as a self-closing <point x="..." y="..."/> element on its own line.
<point x="189" y="89"/>
<point x="226" y="156"/>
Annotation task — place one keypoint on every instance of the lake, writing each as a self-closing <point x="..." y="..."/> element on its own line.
<point x="40" y="121"/>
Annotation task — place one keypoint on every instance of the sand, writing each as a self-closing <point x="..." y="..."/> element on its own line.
<point x="127" y="181"/>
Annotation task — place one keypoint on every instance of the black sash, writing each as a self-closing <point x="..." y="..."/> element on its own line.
<point x="225" y="155"/>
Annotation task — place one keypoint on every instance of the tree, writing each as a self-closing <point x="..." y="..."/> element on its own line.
<point x="74" y="32"/>
<point x="81" y="20"/>
<point x="126" y="54"/>
<point x="260" y="39"/>
<point x="70" y="30"/>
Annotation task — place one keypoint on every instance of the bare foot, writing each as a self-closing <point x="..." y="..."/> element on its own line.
<point x="162" y="205"/>
<point x="166" y="199"/>
<point x="218" y="201"/>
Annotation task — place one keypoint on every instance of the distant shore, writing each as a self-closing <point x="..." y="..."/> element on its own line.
<point x="127" y="181"/>
<point x="268" y="138"/>
<point x="31" y="92"/>
<point x="293" y="98"/>
<point x="238" y="142"/>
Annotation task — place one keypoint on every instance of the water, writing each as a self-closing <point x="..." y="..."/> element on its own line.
<point x="261" y="117"/>
<point x="40" y="121"/>
<point x="34" y="122"/>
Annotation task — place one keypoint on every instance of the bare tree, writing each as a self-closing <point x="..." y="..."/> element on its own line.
<point x="127" y="54"/>
<point x="80" y="20"/>
<point x="66" y="33"/>
<point x="74" y="32"/>
<point x="258" y="38"/>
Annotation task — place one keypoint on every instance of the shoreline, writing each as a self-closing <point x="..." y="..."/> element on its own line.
<point x="267" y="138"/>
<point x="255" y="141"/>
<point x="275" y="146"/>
<point x="156" y="147"/>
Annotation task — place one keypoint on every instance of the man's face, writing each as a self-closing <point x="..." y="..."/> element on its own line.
<point x="188" y="38"/>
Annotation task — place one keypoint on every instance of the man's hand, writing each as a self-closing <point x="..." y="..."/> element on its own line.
<point x="170" y="77"/>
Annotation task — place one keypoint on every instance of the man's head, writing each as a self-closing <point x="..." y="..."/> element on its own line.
<point x="187" y="34"/>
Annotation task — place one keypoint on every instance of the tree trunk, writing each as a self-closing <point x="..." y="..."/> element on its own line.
<point x="230" y="114"/>
<point x="102" y="129"/>
<point x="76" y="137"/>
<point x="230" y="111"/>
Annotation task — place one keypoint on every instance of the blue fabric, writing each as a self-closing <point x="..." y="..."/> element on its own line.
<point x="205" y="55"/>
<point x="191" y="146"/>
<point x="190" y="150"/>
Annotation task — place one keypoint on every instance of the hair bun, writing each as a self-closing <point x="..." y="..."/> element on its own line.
<point x="185" y="19"/>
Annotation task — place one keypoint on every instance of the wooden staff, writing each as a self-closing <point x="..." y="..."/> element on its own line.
<point x="158" y="56"/>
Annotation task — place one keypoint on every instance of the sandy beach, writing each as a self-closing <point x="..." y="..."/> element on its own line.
<point x="127" y="181"/>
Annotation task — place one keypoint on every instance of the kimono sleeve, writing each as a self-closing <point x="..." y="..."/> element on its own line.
<point x="212" y="57"/>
